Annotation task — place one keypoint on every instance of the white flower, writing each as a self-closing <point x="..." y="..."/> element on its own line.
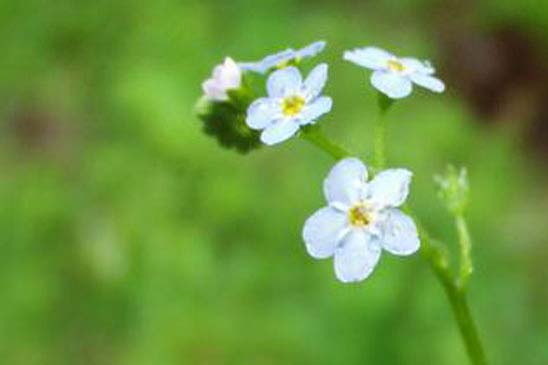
<point x="226" y="76"/>
<point x="282" y="59"/>
<point x="394" y="76"/>
<point x="361" y="220"/>
<point x="291" y="103"/>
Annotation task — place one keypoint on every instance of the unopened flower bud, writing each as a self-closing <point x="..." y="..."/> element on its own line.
<point x="454" y="188"/>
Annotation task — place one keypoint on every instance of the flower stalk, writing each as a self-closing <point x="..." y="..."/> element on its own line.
<point x="314" y="135"/>
<point x="465" y="244"/>
<point x="384" y="103"/>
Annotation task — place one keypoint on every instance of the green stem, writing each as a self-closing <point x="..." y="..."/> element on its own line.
<point x="380" y="131"/>
<point x="380" y="159"/>
<point x="456" y="294"/>
<point x="314" y="135"/>
<point x="436" y="258"/>
<point x="465" y="244"/>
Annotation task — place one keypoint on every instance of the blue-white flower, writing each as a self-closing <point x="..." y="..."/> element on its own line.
<point x="291" y="103"/>
<point x="283" y="58"/>
<point x="394" y="76"/>
<point x="226" y="76"/>
<point x="361" y="220"/>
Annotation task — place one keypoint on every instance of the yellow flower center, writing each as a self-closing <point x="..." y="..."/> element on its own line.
<point x="290" y="62"/>
<point x="395" y="65"/>
<point x="359" y="216"/>
<point x="292" y="105"/>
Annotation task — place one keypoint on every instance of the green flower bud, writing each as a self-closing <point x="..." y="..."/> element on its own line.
<point x="225" y="120"/>
<point x="453" y="189"/>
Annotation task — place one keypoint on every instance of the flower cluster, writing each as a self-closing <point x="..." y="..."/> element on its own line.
<point x="361" y="218"/>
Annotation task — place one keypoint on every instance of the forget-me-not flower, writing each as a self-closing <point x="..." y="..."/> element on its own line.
<point x="291" y="103"/>
<point x="394" y="76"/>
<point x="283" y="58"/>
<point x="362" y="219"/>
<point x="226" y="76"/>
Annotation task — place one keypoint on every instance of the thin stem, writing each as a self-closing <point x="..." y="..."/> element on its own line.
<point x="436" y="258"/>
<point x="465" y="244"/>
<point x="467" y="326"/>
<point x="314" y="135"/>
<point x="380" y="131"/>
<point x="380" y="159"/>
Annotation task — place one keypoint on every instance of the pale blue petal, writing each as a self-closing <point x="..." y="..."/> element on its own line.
<point x="268" y="62"/>
<point x="251" y="66"/>
<point x="414" y="65"/>
<point x="279" y="131"/>
<point x="370" y="57"/>
<point x="316" y="109"/>
<point x="284" y="82"/>
<point x="311" y="50"/>
<point x="323" y="231"/>
<point x="428" y="82"/>
<point x="281" y="58"/>
<point x="392" y="85"/>
<point x="262" y="112"/>
<point x="389" y="188"/>
<point x="356" y="258"/>
<point x="278" y="59"/>
<point x="343" y="186"/>
<point x="315" y="82"/>
<point x="400" y="235"/>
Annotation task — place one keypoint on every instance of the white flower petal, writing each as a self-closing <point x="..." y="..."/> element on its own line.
<point x="262" y="112"/>
<point x="314" y="110"/>
<point x="389" y="188"/>
<point x="369" y="57"/>
<point x="393" y="85"/>
<point x="414" y="65"/>
<point x="225" y="76"/>
<point x="400" y="235"/>
<point x="356" y="258"/>
<point x="312" y="49"/>
<point x="230" y="76"/>
<point x="315" y="82"/>
<point x="213" y="90"/>
<point x="344" y="184"/>
<point x="279" y="131"/>
<point x="323" y="231"/>
<point x="283" y="82"/>
<point x="428" y="82"/>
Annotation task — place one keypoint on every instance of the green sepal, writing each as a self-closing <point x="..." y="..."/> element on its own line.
<point x="225" y="121"/>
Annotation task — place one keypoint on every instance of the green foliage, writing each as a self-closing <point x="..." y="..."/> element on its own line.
<point x="129" y="237"/>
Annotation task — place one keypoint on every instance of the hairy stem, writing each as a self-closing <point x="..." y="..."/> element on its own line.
<point x="465" y="244"/>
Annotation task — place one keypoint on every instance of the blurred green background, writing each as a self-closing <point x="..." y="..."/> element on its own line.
<point x="129" y="237"/>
